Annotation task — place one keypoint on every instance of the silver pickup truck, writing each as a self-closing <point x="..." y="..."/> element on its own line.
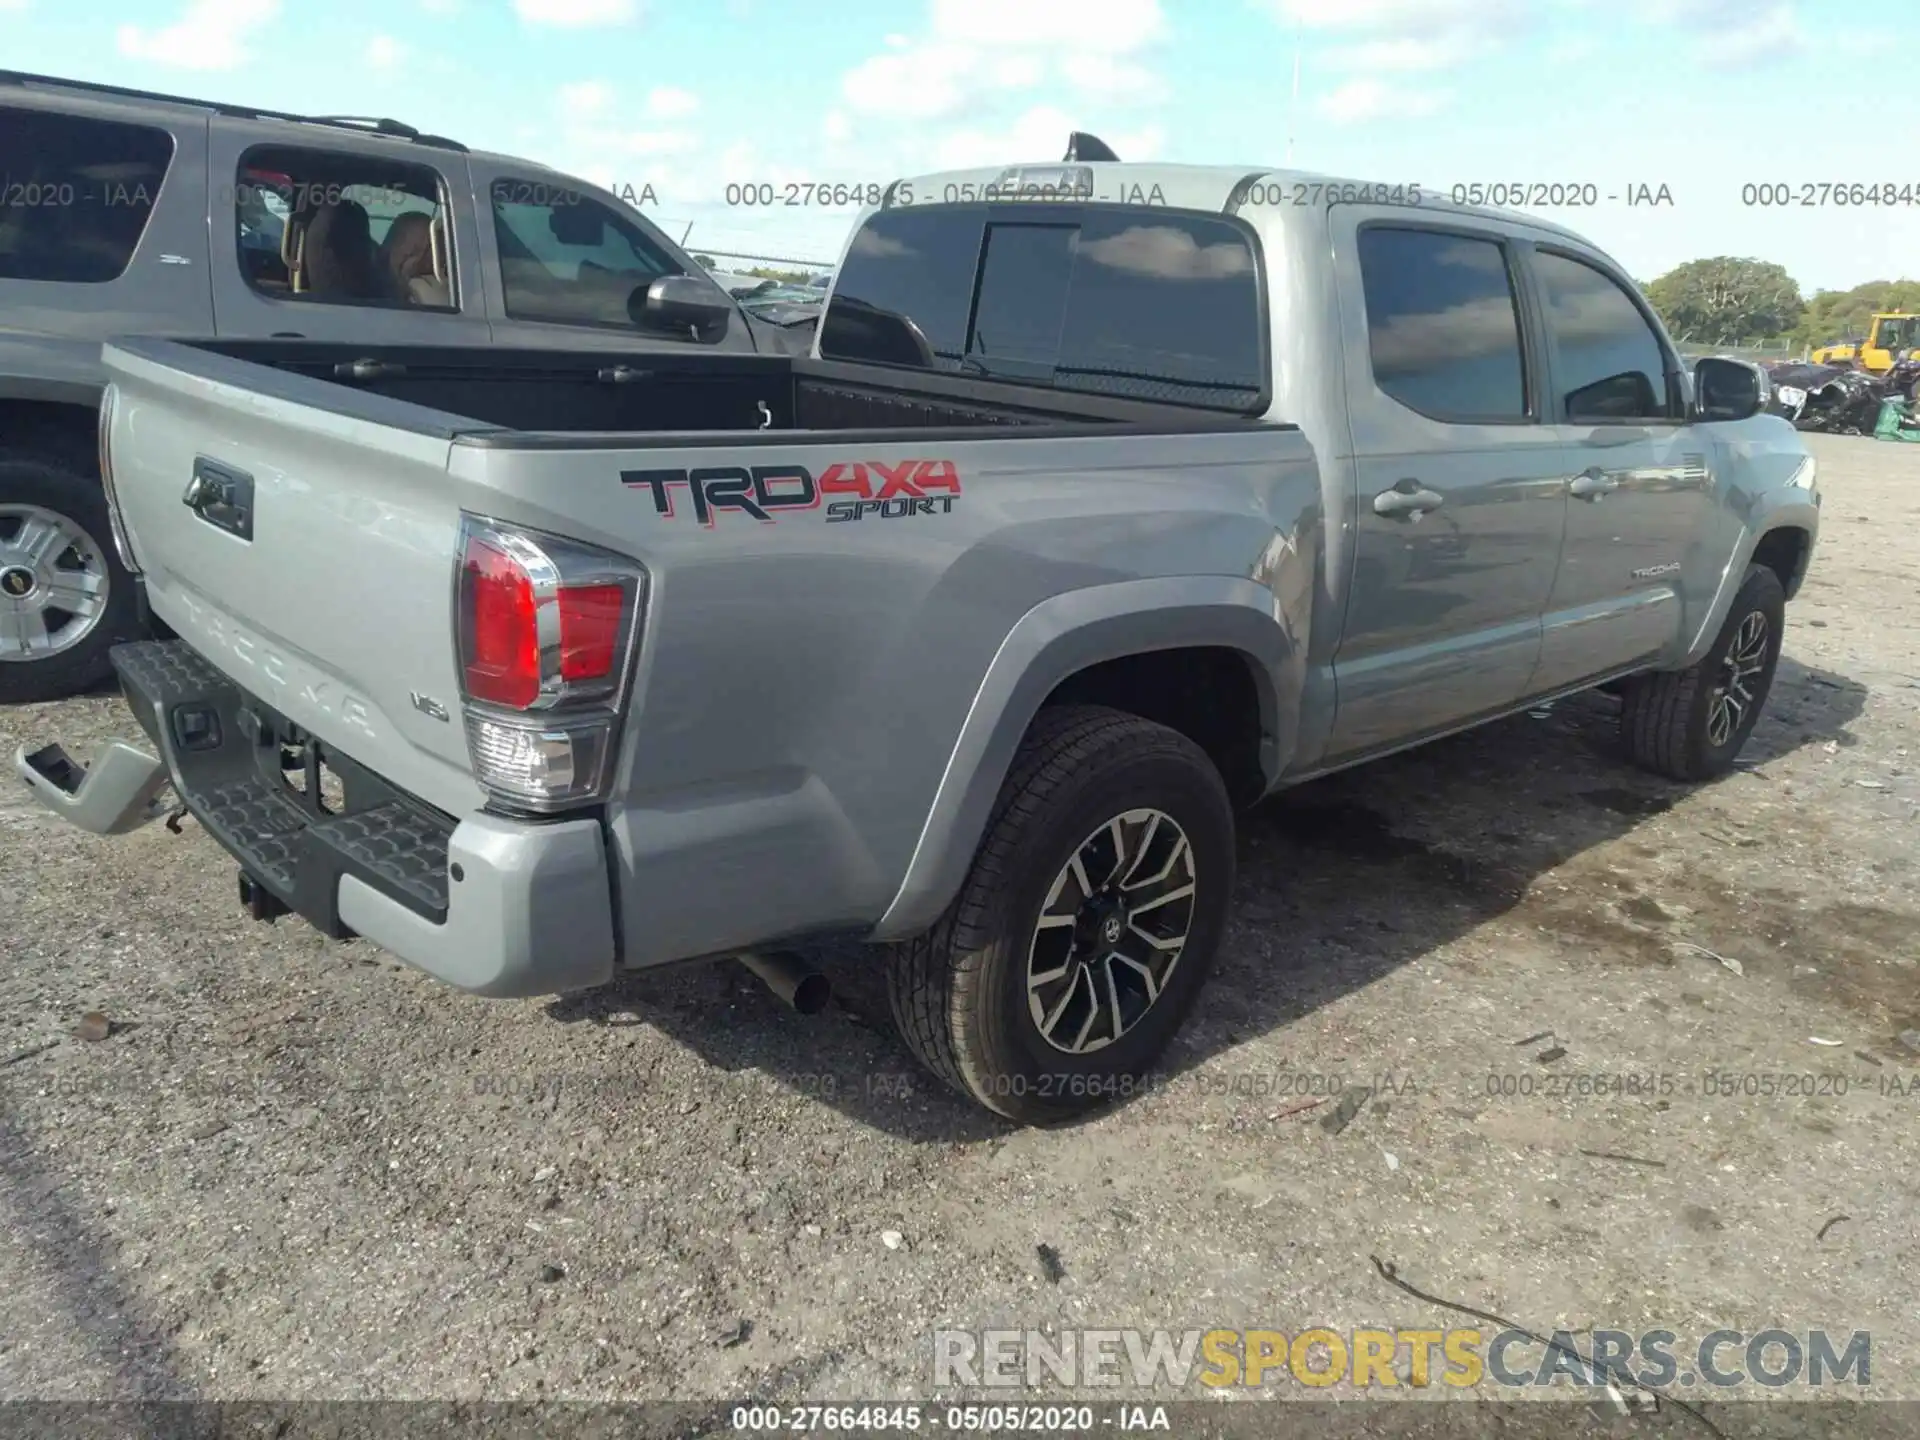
<point x="1113" y="498"/>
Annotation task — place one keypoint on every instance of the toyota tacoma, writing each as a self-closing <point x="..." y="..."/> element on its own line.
<point x="1110" y="500"/>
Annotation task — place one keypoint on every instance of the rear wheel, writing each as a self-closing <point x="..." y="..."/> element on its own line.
<point x="65" y="599"/>
<point x="1086" y="926"/>
<point x="1690" y="724"/>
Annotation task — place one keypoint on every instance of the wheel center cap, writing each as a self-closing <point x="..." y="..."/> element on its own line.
<point x="16" y="582"/>
<point x="1110" y="930"/>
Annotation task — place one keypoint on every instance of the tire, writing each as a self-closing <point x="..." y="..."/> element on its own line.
<point x="960" y="992"/>
<point x="35" y="493"/>
<point x="1673" y="722"/>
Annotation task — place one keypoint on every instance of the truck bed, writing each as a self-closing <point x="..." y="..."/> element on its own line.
<point x="569" y="396"/>
<point x="803" y="671"/>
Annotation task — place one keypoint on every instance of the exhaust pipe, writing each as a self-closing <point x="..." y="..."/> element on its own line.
<point x="801" y="986"/>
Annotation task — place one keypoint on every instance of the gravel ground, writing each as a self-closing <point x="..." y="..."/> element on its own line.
<point x="295" y="1169"/>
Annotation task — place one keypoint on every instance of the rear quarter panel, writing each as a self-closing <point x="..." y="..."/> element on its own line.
<point x="803" y="684"/>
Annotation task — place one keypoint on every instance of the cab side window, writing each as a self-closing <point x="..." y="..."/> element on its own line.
<point x="334" y="227"/>
<point x="568" y="259"/>
<point x="1443" y="324"/>
<point x="1610" y="363"/>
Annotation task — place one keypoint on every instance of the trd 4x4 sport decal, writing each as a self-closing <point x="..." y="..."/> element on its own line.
<point x="886" y="489"/>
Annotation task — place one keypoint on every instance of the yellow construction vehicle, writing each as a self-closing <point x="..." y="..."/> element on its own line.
<point x="1887" y="336"/>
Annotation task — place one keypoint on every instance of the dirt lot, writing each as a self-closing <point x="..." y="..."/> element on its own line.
<point x="295" y="1169"/>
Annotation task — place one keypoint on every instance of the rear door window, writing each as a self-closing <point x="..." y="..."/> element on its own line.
<point x="1443" y="323"/>
<point x="1161" y="306"/>
<point x="337" y="227"/>
<point x="75" y="194"/>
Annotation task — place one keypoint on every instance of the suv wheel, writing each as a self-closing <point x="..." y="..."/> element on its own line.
<point x="1689" y="724"/>
<point x="65" y="599"/>
<point x="1086" y="926"/>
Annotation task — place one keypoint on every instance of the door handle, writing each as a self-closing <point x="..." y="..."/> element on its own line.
<point x="1592" y="485"/>
<point x="1407" y="498"/>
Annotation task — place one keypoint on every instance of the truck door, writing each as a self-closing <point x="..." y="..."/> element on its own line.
<point x="322" y="234"/>
<point x="1460" y="485"/>
<point x="1639" y="483"/>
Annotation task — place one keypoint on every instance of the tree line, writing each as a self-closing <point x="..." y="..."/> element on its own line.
<point x="1727" y="300"/>
<point x="763" y="272"/>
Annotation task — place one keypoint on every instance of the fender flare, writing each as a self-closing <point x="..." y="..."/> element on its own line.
<point x="1795" y="514"/>
<point x="1056" y="639"/>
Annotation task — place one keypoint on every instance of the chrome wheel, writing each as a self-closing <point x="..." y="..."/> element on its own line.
<point x="1733" y="697"/>
<point x="1111" y="931"/>
<point x="53" y="583"/>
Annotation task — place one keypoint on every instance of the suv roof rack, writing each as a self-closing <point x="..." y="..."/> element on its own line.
<point x="361" y="124"/>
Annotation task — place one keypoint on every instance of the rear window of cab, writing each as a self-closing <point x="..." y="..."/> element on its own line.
<point x="1164" y="306"/>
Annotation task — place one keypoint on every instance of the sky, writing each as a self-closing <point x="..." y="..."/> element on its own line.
<point x="676" y="101"/>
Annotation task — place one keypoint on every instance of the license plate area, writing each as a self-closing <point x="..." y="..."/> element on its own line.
<point x="308" y="771"/>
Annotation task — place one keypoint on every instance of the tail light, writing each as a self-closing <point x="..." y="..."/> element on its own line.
<point x="114" y="523"/>
<point x="547" y="630"/>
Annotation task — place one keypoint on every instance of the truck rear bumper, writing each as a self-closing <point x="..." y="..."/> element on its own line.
<point x="490" y="905"/>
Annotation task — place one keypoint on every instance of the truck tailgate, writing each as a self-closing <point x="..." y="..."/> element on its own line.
<point x="326" y="587"/>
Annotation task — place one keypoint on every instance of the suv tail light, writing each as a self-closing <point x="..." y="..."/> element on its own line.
<point x="114" y="523"/>
<point x="547" y="630"/>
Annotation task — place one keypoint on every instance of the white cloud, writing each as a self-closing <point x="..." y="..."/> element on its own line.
<point x="1393" y="38"/>
<point x="1734" y="34"/>
<point x="1408" y="55"/>
<point x="1038" y="136"/>
<point x="1116" y="27"/>
<point x="13" y="6"/>
<point x="657" y="142"/>
<point x="385" y="53"/>
<point x="1370" y="99"/>
<point x="1573" y="48"/>
<point x="922" y="82"/>
<point x="1108" y="77"/>
<point x="1017" y="72"/>
<point x="576" y="14"/>
<point x="1411" y="19"/>
<point x="594" y="143"/>
<point x="584" y="99"/>
<point x="210" y="35"/>
<point x="974" y="50"/>
<point x="1774" y="36"/>
<point x="741" y="164"/>
<point x="668" y="103"/>
<point x="1702" y="13"/>
<point x="836" y="127"/>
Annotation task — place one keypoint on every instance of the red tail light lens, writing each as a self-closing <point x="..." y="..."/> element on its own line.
<point x="501" y="638"/>
<point x="590" y="617"/>
<point x="547" y="630"/>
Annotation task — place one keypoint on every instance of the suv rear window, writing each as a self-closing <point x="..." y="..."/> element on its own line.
<point x="1162" y="305"/>
<point x="75" y="194"/>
